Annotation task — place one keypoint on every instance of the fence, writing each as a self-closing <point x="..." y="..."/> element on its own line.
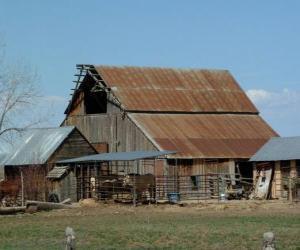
<point x="150" y="188"/>
<point x="287" y="188"/>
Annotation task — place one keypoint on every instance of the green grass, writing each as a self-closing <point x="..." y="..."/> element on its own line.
<point x="117" y="227"/>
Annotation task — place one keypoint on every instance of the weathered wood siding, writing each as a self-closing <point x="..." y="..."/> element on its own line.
<point x="65" y="187"/>
<point x="116" y="129"/>
<point x="78" y="105"/>
<point x="74" y="146"/>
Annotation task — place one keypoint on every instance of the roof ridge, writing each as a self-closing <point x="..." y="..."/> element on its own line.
<point x="159" y="67"/>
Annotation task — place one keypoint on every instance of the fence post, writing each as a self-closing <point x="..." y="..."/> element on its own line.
<point x="268" y="241"/>
<point x="70" y="241"/>
<point x="22" y="188"/>
<point x="290" y="189"/>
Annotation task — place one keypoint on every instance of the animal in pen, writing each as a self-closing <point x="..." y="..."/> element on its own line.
<point x="111" y="187"/>
<point x="143" y="186"/>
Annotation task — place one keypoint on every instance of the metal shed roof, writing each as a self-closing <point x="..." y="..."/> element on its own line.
<point x="175" y="90"/>
<point x="205" y="135"/>
<point x="119" y="156"/>
<point x="279" y="149"/>
<point x="35" y="146"/>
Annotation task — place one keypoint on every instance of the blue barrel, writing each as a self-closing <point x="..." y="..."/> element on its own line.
<point x="174" y="197"/>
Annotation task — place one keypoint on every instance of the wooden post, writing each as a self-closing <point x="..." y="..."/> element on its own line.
<point x="293" y="173"/>
<point x="134" y="182"/>
<point x="290" y="189"/>
<point x="70" y="238"/>
<point x="81" y="181"/>
<point x="268" y="241"/>
<point x="277" y="180"/>
<point x="293" y="176"/>
<point x="231" y="166"/>
<point x="22" y="188"/>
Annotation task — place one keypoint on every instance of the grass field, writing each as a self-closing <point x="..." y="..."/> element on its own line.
<point x="206" y="226"/>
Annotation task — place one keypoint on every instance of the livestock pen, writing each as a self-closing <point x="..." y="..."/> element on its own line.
<point x="122" y="176"/>
<point x="132" y="177"/>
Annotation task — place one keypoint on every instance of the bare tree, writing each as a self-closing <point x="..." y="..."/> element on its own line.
<point x="18" y="94"/>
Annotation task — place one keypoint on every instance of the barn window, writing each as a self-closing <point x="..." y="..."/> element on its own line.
<point x="95" y="102"/>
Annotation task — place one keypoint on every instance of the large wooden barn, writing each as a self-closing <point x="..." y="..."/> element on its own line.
<point x="203" y="115"/>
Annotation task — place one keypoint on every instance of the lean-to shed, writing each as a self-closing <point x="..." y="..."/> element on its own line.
<point x="281" y="155"/>
<point x="35" y="152"/>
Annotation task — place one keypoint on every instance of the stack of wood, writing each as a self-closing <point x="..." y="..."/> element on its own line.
<point x="34" y="206"/>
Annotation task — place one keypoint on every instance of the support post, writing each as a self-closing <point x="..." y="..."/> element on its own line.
<point x="292" y="178"/>
<point x="134" y="182"/>
<point x="231" y="164"/>
<point x="22" y="188"/>
<point x="277" y="180"/>
<point x="290" y="189"/>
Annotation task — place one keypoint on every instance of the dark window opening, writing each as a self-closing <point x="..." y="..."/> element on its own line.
<point x="95" y="102"/>
<point x="298" y="167"/>
<point x="195" y="182"/>
<point x="245" y="169"/>
<point x="180" y="162"/>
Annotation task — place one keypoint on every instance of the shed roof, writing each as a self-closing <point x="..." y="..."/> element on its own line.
<point x="118" y="156"/>
<point x="35" y="146"/>
<point x="175" y="90"/>
<point x="57" y="172"/>
<point x="279" y="149"/>
<point x="205" y="135"/>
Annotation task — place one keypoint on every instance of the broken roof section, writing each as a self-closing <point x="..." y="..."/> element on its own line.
<point x="279" y="149"/>
<point x="35" y="146"/>
<point x="205" y="135"/>
<point x="151" y="89"/>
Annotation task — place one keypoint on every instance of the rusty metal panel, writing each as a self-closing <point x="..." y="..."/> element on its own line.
<point x="205" y="135"/>
<point x="176" y="90"/>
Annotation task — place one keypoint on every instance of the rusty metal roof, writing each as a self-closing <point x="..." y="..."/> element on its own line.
<point x="176" y="90"/>
<point x="205" y="135"/>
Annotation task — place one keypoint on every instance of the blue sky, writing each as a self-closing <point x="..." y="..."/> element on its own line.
<point x="258" y="41"/>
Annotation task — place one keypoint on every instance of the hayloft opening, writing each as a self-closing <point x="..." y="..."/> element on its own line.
<point x="95" y="102"/>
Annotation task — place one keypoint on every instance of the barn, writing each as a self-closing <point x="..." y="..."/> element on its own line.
<point x="34" y="153"/>
<point x="203" y="115"/>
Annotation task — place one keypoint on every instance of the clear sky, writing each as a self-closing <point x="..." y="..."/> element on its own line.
<point x="258" y="41"/>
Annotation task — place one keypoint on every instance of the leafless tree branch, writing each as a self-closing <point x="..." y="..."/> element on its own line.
<point x="18" y="95"/>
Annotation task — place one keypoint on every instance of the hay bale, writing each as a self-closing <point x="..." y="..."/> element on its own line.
<point x="88" y="202"/>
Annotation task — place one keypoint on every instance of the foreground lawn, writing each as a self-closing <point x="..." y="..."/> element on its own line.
<point x="150" y="227"/>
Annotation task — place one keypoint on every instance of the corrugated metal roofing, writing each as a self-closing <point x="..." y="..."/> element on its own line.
<point x="5" y="149"/>
<point x="177" y="90"/>
<point x="205" y="135"/>
<point x="57" y="172"/>
<point x="279" y="149"/>
<point x="119" y="156"/>
<point x="35" y="146"/>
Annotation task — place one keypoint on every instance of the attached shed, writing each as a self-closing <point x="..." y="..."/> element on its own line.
<point x="203" y="115"/>
<point x="35" y="152"/>
<point x="282" y="156"/>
